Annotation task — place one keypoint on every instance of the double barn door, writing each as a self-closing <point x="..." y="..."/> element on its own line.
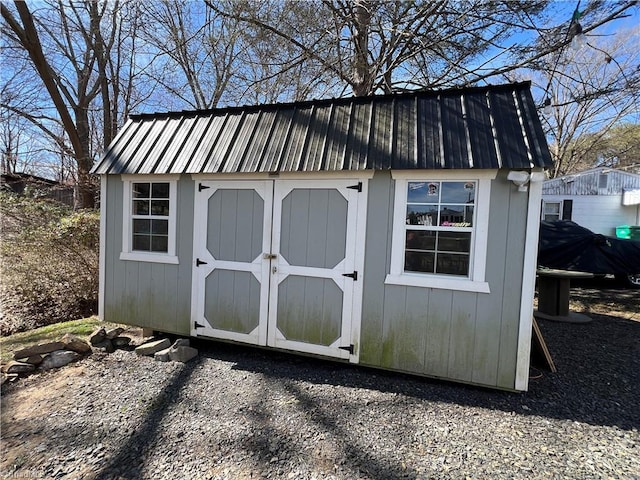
<point x="274" y="263"/>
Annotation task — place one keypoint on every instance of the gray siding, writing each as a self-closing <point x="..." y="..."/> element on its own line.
<point x="152" y="295"/>
<point x="464" y="336"/>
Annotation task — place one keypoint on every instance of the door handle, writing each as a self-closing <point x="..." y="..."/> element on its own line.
<point x="269" y="256"/>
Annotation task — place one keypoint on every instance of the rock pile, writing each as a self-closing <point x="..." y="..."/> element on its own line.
<point x="163" y="351"/>
<point x="109" y="340"/>
<point x="46" y="356"/>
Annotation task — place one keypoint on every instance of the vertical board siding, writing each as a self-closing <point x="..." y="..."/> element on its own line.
<point x="486" y="348"/>
<point x="514" y="260"/>
<point x="145" y="294"/>
<point x="377" y="262"/>
<point x="232" y="301"/>
<point x="310" y="310"/>
<point x="464" y="336"/>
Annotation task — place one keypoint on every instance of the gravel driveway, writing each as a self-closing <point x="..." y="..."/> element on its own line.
<point x="240" y="413"/>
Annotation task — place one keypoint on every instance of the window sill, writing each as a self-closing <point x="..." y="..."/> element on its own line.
<point x="149" y="257"/>
<point x="442" y="283"/>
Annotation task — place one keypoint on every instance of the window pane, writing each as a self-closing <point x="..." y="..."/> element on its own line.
<point x="456" y="216"/>
<point x="422" y="215"/>
<point x="160" y="190"/>
<point x="160" y="227"/>
<point x="454" y="242"/>
<point x="160" y="207"/>
<point x="552" y="208"/>
<point x="458" y="192"/>
<point x="141" y="190"/>
<point x="141" y="207"/>
<point x="159" y="244"/>
<point x="142" y="242"/>
<point x="423" y="192"/>
<point x="452" y="264"/>
<point x="551" y="217"/>
<point x="420" y="240"/>
<point x="419" y="262"/>
<point x="141" y="225"/>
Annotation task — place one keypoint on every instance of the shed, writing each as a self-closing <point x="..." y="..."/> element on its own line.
<point x="377" y="230"/>
<point x="599" y="199"/>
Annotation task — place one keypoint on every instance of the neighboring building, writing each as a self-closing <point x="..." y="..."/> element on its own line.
<point x="377" y="230"/>
<point x="599" y="199"/>
<point x="21" y="183"/>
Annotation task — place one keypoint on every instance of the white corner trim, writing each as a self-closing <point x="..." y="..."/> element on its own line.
<point x="102" y="259"/>
<point x="439" y="282"/>
<point x="523" y="356"/>
<point x="149" y="257"/>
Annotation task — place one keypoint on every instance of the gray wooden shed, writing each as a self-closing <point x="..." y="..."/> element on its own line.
<point x="377" y="230"/>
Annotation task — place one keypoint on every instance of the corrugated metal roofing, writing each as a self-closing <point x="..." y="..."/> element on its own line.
<point x="596" y="181"/>
<point x="483" y="127"/>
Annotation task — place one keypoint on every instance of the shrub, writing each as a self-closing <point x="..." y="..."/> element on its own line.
<point x="49" y="264"/>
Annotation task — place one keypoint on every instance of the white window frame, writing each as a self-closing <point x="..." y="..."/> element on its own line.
<point x="127" y="219"/>
<point x="475" y="282"/>
<point x="548" y="202"/>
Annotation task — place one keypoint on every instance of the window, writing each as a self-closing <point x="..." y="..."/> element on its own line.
<point x="439" y="226"/>
<point x="551" y="211"/>
<point x="440" y="230"/>
<point x="556" y="210"/>
<point x="149" y="218"/>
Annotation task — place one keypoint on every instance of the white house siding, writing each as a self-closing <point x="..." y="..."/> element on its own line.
<point x="599" y="213"/>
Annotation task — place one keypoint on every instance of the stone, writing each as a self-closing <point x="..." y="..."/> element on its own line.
<point x="114" y="332"/>
<point x="182" y="354"/>
<point x="120" y="342"/>
<point x="99" y="336"/>
<point x="162" y="355"/>
<point x="105" y="346"/>
<point x="75" y="344"/>
<point x="33" y="359"/>
<point x="39" y="349"/>
<point x="181" y="342"/>
<point x="18" y="367"/>
<point x="153" y="347"/>
<point x="59" y="358"/>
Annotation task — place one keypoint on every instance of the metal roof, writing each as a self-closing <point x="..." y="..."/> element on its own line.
<point x="596" y="181"/>
<point x="481" y="127"/>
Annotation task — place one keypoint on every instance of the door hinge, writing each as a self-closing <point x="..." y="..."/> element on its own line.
<point x="353" y="275"/>
<point x="197" y="325"/>
<point x="348" y="349"/>
<point x="202" y="187"/>
<point x="200" y="262"/>
<point x="357" y="187"/>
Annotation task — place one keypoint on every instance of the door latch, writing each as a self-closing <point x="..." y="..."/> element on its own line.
<point x="269" y="256"/>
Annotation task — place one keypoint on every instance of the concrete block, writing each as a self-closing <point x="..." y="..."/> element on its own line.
<point x="162" y="355"/>
<point x="182" y="354"/>
<point x="153" y="347"/>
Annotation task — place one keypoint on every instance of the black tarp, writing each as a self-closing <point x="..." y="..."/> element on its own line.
<point x="566" y="245"/>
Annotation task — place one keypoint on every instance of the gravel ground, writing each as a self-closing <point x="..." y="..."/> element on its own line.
<point x="240" y="413"/>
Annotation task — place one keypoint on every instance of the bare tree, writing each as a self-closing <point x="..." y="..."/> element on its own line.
<point x="70" y="47"/>
<point x="589" y="91"/>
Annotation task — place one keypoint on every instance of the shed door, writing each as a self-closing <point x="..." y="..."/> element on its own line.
<point x="279" y="265"/>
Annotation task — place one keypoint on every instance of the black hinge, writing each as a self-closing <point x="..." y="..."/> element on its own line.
<point x="348" y="349"/>
<point x="357" y="187"/>
<point x="353" y="275"/>
<point x="202" y="187"/>
<point x="200" y="262"/>
<point x="197" y="325"/>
